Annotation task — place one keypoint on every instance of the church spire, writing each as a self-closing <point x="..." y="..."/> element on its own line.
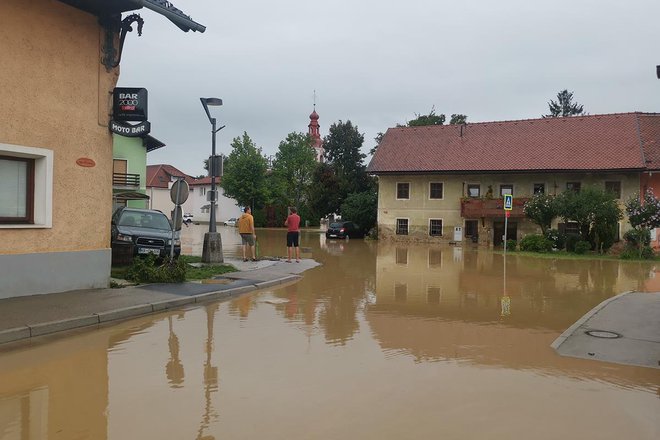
<point x="314" y="132"/>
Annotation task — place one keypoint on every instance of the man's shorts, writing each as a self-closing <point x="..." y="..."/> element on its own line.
<point x="248" y="239"/>
<point x="292" y="239"/>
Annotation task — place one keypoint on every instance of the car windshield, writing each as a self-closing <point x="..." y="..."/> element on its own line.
<point x="151" y="220"/>
<point x="336" y="225"/>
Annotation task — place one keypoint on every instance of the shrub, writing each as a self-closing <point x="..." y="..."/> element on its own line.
<point x="637" y="236"/>
<point x="633" y="253"/>
<point x="582" y="246"/>
<point x="558" y="239"/>
<point x="535" y="243"/>
<point x="511" y="245"/>
<point x="148" y="270"/>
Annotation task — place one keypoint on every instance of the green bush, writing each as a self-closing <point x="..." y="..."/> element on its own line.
<point x="558" y="239"/>
<point x="148" y="270"/>
<point x="582" y="247"/>
<point x="535" y="243"/>
<point x="571" y="239"/>
<point x="631" y="252"/>
<point x="636" y="236"/>
<point x="511" y="245"/>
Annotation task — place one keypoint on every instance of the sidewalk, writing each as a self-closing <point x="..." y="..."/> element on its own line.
<point x="624" y="329"/>
<point x="30" y="316"/>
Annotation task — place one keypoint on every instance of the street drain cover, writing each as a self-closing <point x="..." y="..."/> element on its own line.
<point x="603" y="334"/>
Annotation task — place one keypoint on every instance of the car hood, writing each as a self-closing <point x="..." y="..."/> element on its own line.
<point x="147" y="232"/>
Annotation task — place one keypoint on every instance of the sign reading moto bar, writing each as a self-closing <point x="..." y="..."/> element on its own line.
<point x="129" y="104"/>
<point x="139" y="130"/>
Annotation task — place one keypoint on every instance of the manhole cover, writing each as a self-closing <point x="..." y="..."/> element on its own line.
<point x="603" y="334"/>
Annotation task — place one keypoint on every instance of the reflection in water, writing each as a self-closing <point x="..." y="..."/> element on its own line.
<point x="383" y="341"/>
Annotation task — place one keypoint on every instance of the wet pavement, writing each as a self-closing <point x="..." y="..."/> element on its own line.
<point x="381" y="341"/>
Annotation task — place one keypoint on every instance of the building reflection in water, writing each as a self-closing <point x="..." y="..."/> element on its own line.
<point x="439" y="303"/>
<point x="174" y="368"/>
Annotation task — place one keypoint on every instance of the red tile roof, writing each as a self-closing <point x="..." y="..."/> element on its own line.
<point x="158" y="176"/>
<point x="596" y="142"/>
<point x="206" y="181"/>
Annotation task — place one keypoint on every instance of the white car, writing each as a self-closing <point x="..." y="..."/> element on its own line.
<point x="187" y="218"/>
<point x="231" y="222"/>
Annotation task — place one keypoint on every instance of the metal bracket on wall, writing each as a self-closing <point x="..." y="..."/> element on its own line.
<point x="110" y="26"/>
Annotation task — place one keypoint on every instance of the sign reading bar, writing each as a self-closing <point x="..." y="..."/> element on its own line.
<point x="129" y="104"/>
<point x="508" y="202"/>
<point x="127" y="130"/>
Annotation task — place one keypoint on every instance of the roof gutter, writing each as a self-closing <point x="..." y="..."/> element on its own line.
<point x="176" y="16"/>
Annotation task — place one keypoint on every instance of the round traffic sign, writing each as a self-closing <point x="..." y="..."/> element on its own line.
<point x="179" y="192"/>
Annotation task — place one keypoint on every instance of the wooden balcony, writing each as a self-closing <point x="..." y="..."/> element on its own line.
<point x="126" y="180"/>
<point x="490" y="208"/>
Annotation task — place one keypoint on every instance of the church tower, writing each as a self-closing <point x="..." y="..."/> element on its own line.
<point x="317" y="142"/>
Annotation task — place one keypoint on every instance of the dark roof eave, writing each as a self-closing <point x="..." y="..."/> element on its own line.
<point x="536" y="171"/>
<point x="102" y="8"/>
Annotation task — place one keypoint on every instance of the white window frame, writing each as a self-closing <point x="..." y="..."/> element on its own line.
<point x="396" y="225"/>
<point x="43" y="184"/>
<point x="443" y="191"/>
<point x="467" y="189"/>
<point x="442" y="228"/>
<point x="409" y="190"/>
<point x="513" y="188"/>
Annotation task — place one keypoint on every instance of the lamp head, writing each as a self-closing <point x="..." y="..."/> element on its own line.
<point x="210" y="101"/>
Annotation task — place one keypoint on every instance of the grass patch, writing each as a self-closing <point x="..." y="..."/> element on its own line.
<point x="191" y="273"/>
<point x="564" y="255"/>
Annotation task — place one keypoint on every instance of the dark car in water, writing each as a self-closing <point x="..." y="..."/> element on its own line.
<point x="344" y="230"/>
<point x="141" y="232"/>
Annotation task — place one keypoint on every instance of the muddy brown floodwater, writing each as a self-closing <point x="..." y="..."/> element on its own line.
<point x="383" y="341"/>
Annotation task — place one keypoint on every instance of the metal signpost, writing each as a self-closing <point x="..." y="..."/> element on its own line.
<point x="508" y="206"/>
<point x="179" y="194"/>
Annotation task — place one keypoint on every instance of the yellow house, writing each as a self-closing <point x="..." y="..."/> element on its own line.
<point x="446" y="183"/>
<point x="59" y="68"/>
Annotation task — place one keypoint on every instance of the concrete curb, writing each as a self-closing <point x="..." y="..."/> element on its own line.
<point x="65" y="324"/>
<point x="569" y="331"/>
<point x="29" y="331"/>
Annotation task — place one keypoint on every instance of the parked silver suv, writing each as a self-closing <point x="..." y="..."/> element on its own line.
<point x="141" y="232"/>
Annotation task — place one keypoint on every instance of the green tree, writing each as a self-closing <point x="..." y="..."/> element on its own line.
<point x="541" y="209"/>
<point x="324" y="192"/>
<point x="564" y="106"/>
<point x="361" y="208"/>
<point x="594" y="210"/>
<point x="457" y="119"/>
<point x="293" y="167"/>
<point x="430" y="119"/>
<point x="342" y="152"/>
<point x="244" y="176"/>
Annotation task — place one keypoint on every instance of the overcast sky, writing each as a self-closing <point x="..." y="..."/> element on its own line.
<point x="379" y="62"/>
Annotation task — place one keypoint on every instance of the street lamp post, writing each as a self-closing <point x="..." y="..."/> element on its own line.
<point x="212" y="247"/>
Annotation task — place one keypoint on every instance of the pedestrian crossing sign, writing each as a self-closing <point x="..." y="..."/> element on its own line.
<point x="508" y="202"/>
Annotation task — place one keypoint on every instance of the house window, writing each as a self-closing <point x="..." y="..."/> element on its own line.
<point x="614" y="188"/>
<point x="435" y="258"/>
<point x="433" y="295"/>
<point x="17" y="189"/>
<point x="506" y="189"/>
<point x="402" y="191"/>
<point x="473" y="190"/>
<point x="569" y="228"/>
<point x="400" y="292"/>
<point x="402" y="226"/>
<point x="435" y="227"/>
<point x="401" y="256"/>
<point x="539" y="188"/>
<point x="573" y="186"/>
<point x="435" y="190"/>
<point x="26" y="192"/>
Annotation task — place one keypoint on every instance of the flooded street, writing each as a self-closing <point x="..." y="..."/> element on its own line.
<point x="383" y="341"/>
